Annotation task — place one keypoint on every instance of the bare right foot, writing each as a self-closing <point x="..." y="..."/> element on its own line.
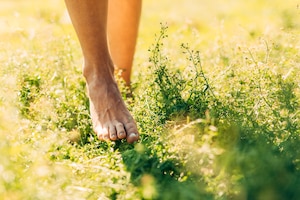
<point x="110" y="116"/>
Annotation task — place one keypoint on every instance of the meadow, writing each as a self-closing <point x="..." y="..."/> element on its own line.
<point x="215" y="93"/>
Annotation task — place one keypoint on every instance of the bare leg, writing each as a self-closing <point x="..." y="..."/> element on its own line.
<point x="123" y="24"/>
<point x="111" y="119"/>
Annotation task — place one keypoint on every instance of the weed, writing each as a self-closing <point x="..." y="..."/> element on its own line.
<point x="218" y="115"/>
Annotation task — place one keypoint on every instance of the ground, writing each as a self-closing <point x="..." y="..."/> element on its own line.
<point x="215" y="96"/>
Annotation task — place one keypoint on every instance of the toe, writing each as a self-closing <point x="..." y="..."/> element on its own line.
<point x="113" y="133"/>
<point x="132" y="132"/>
<point x="102" y="133"/>
<point x="132" y="137"/>
<point x="120" y="131"/>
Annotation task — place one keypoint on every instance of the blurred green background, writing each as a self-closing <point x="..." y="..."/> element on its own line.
<point x="218" y="111"/>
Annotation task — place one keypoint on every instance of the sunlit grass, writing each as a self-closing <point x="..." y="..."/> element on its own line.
<point x="216" y="100"/>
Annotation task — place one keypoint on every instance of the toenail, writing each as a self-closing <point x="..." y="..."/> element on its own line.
<point x="133" y="135"/>
<point x="122" y="134"/>
<point x="105" y="137"/>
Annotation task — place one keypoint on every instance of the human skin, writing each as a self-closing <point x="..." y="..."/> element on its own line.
<point x="123" y="24"/>
<point x="107" y="43"/>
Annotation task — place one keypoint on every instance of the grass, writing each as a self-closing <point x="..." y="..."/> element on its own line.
<point x="216" y="99"/>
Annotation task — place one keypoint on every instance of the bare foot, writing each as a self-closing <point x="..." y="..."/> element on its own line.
<point x="111" y="119"/>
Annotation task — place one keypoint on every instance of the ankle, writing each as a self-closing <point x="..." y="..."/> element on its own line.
<point x="92" y="71"/>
